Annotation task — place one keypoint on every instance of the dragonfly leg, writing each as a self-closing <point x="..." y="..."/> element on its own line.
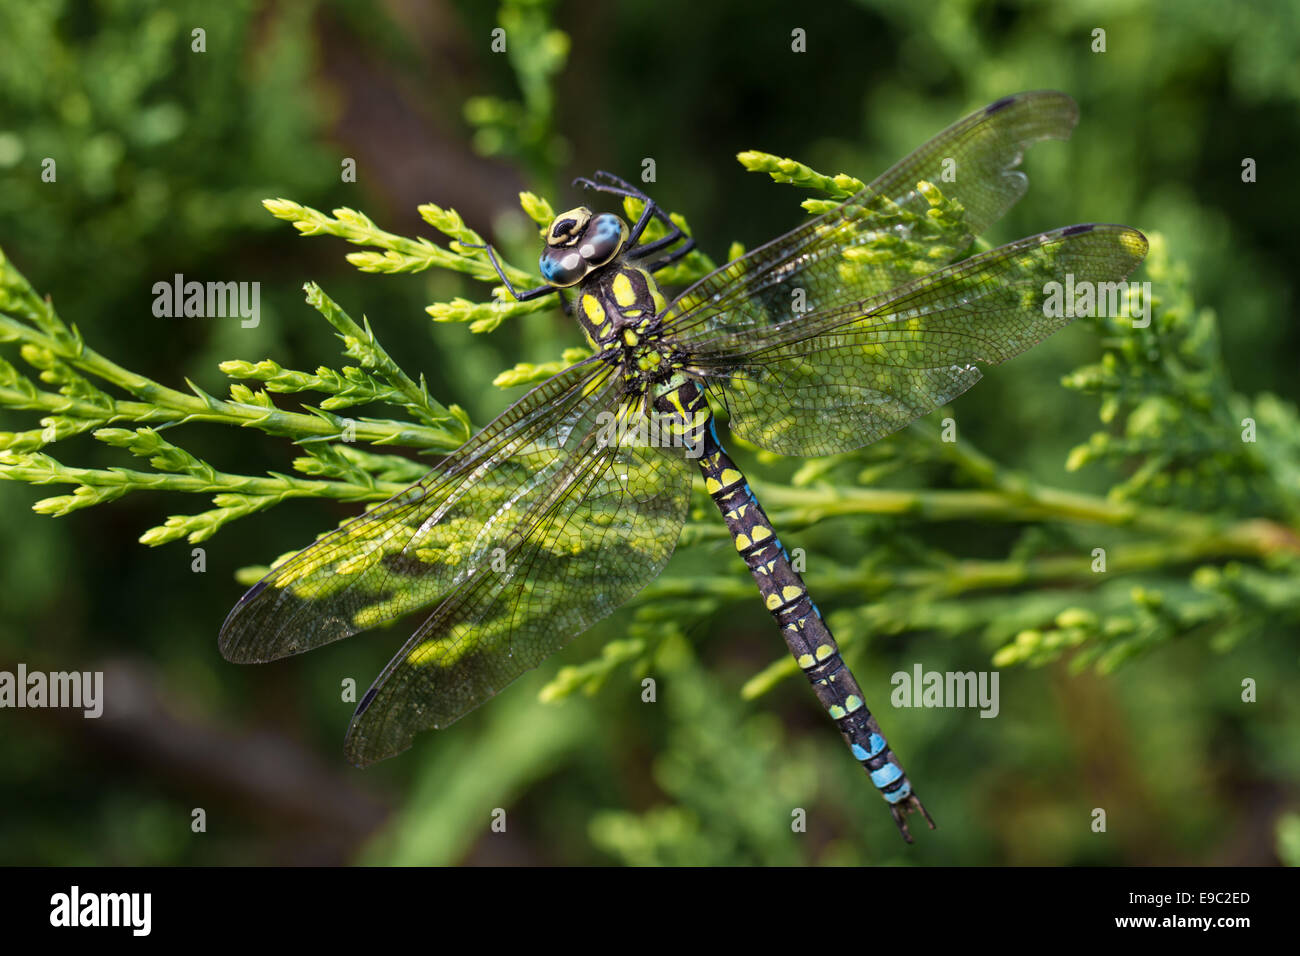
<point x="672" y="257"/>
<point x="629" y="192"/>
<point x="618" y="187"/>
<point x="524" y="296"/>
<point x="617" y="181"/>
<point x="613" y="184"/>
<point x="652" y="247"/>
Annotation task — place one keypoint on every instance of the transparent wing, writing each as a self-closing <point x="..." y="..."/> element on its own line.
<point x="601" y="537"/>
<point x="892" y="232"/>
<point x="847" y="375"/>
<point x="405" y="553"/>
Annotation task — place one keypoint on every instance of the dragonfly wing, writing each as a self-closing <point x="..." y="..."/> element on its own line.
<point x="974" y="160"/>
<point x="886" y="235"/>
<point x="405" y="553"/>
<point x="603" y="534"/>
<point x="843" y="377"/>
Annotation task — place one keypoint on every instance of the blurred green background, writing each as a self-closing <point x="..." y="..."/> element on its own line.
<point x="164" y="156"/>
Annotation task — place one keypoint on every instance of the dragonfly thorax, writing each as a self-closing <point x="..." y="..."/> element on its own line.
<point x="616" y="299"/>
<point x="618" y="307"/>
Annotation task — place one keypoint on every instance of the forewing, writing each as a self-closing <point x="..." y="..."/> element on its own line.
<point x="888" y="234"/>
<point x="604" y="534"/>
<point x="405" y="553"/>
<point x="843" y="377"/>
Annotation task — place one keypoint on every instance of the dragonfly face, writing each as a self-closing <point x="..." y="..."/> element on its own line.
<point x="578" y="242"/>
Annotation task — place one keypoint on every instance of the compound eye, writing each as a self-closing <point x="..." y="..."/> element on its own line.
<point x="562" y="267"/>
<point x="604" y="237"/>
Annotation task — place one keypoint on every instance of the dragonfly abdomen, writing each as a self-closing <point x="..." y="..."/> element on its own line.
<point x="805" y="631"/>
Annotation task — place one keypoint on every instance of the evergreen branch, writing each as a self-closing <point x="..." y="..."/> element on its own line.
<point x="591" y="676"/>
<point x="486" y="316"/>
<point x="1029" y="502"/>
<point x="890" y="596"/>
<point x="351" y="385"/>
<point x="61" y="357"/>
<point x="1173" y="425"/>
<point x="795" y="173"/>
<point x="52" y="346"/>
<point x="400" y="254"/>
<point x="538" y="210"/>
<point x="237" y="495"/>
<point x="528" y="373"/>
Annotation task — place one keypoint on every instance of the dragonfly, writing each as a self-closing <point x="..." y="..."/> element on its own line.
<point x="821" y="341"/>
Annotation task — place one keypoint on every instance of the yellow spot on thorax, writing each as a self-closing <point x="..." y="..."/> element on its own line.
<point x="594" y="310"/>
<point x="624" y="295"/>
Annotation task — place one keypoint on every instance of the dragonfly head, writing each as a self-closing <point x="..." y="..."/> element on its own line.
<point x="577" y="243"/>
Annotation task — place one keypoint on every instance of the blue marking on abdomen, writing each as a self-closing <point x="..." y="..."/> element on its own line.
<point x="897" y="796"/>
<point x="885" y="775"/>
